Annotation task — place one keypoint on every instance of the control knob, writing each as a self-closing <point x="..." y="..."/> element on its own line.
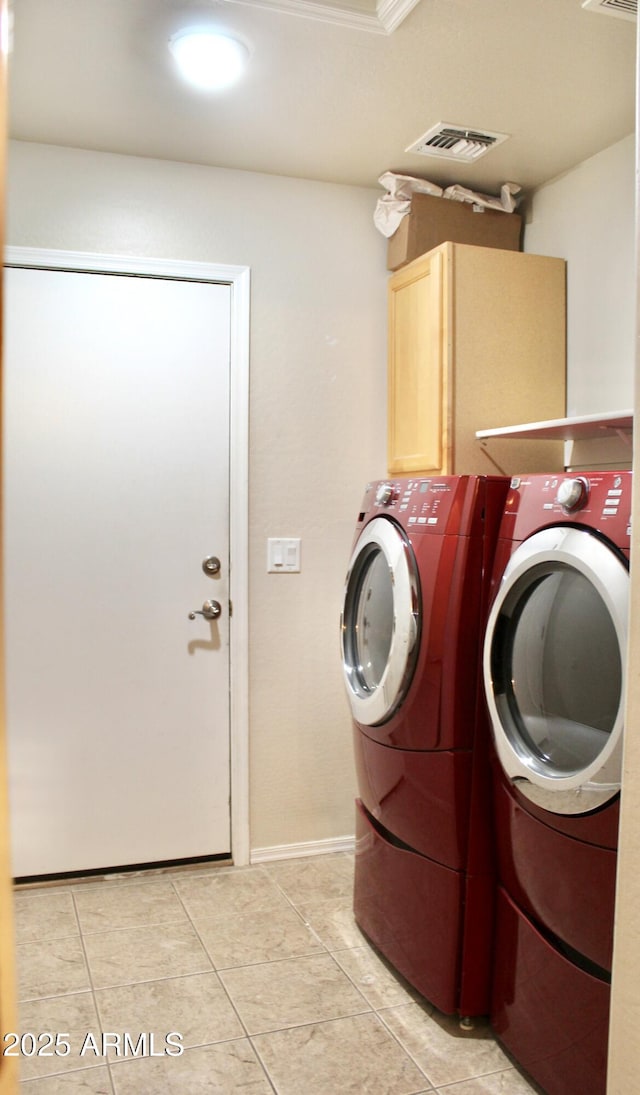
<point x="573" y="494"/>
<point x="384" y="494"/>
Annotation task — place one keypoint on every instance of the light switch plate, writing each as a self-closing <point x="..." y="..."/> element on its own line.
<point x="283" y="555"/>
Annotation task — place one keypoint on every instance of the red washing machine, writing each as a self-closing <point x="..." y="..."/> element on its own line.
<point x="415" y="605"/>
<point x="554" y="671"/>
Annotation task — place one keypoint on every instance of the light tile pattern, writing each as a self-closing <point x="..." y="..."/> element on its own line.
<point x="261" y="970"/>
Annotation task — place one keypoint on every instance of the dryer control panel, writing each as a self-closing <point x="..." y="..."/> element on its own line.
<point x="600" y="500"/>
<point x="573" y="494"/>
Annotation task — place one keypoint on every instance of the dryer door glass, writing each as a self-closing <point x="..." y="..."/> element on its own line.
<point x="380" y="622"/>
<point x="554" y="668"/>
<point x="558" y="669"/>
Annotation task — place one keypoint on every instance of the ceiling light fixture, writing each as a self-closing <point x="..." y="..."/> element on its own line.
<point x="207" y="58"/>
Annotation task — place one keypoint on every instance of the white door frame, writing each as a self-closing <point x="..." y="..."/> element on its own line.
<point x="238" y="278"/>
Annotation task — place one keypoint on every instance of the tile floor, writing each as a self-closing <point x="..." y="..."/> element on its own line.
<point x="260" y="969"/>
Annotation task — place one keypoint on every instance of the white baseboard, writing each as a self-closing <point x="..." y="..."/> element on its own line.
<point x="306" y="848"/>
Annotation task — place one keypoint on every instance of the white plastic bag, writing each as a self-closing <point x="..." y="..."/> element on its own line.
<point x="396" y="203"/>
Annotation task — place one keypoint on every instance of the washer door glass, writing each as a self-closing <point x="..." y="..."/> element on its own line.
<point x="557" y="645"/>
<point x="380" y="622"/>
<point x="372" y="633"/>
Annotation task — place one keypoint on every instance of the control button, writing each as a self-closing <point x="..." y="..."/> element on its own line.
<point x="612" y="493"/>
<point x="384" y="494"/>
<point x="422" y="520"/>
<point x="573" y="494"/>
<point x="608" y="512"/>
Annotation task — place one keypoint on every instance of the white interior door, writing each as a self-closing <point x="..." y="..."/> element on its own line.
<point x="116" y="489"/>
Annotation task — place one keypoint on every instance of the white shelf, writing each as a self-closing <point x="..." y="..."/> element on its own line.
<point x="579" y="428"/>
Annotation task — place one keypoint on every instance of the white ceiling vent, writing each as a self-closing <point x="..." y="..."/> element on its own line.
<point x="624" y="9"/>
<point x="454" y="142"/>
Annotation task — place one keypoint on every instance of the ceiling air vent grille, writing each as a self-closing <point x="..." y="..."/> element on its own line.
<point x="624" y="9"/>
<point x="454" y="142"/>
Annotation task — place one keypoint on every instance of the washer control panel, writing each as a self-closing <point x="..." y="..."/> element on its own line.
<point x="384" y="494"/>
<point x="418" y="504"/>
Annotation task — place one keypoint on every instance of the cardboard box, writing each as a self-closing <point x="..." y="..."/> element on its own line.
<point x="433" y="221"/>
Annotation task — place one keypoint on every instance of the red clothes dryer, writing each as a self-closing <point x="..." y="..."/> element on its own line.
<point x="415" y="605"/>
<point x="554" y="672"/>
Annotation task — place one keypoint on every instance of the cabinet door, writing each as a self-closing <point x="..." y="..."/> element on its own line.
<point x="418" y="426"/>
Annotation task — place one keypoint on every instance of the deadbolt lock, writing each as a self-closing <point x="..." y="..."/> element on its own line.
<point x="211" y="565"/>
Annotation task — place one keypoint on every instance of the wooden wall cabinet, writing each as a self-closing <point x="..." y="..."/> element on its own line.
<point x="477" y="339"/>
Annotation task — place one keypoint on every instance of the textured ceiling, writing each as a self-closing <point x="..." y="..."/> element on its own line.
<point x="330" y="102"/>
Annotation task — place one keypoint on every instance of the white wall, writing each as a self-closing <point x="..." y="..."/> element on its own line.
<point x="318" y="418"/>
<point x="587" y="217"/>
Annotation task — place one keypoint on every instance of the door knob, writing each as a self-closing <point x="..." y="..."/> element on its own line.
<point x="210" y="610"/>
